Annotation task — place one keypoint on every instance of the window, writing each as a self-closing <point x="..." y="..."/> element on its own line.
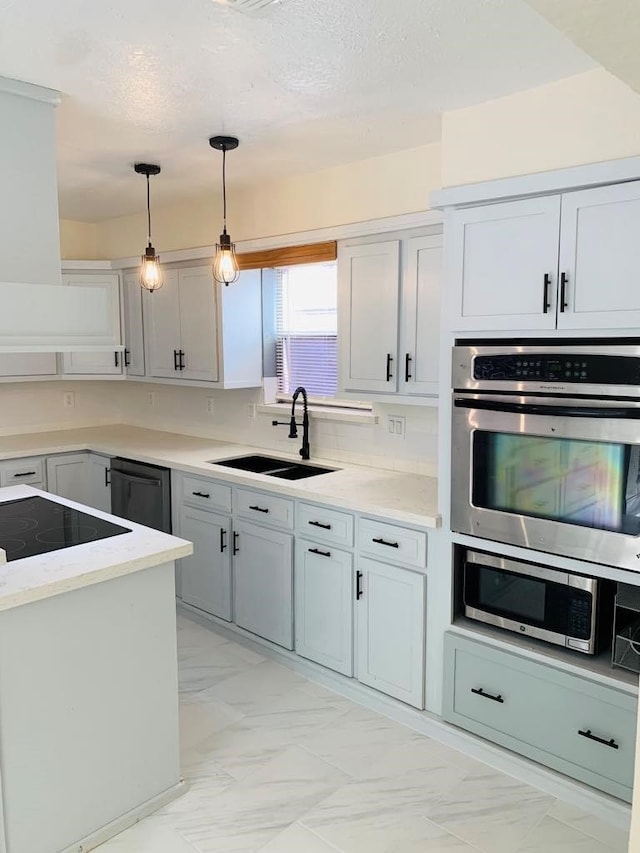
<point x="306" y="329"/>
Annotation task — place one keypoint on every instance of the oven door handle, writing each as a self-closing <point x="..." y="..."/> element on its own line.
<point x="540" y="409"/>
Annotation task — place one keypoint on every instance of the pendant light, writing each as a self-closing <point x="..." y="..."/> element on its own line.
<point x="151" y="275"/>
<point x="225" y="263"/>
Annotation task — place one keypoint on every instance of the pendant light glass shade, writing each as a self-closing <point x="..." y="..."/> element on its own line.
<point x="225" y="263"/>
<point x="151" y="276"/>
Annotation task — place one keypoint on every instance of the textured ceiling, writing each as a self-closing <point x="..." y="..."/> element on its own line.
<point x="608" y="30"/>
<point x="305" y="84"/>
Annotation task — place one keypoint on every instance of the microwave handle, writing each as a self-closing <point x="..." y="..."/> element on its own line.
<point x="540" y="409"/>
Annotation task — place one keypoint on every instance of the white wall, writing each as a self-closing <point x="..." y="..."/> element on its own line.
<point x="38" y="406"/>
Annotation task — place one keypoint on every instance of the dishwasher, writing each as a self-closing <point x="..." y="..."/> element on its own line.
<point x="141" y="493"/>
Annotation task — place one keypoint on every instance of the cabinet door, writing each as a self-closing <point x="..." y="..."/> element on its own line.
<point x="105" y="363"/>
<point x="390" y="630"/>
<point x="68" y="476"/>
<point x="205" y="576"/>
<point x="368" y="283"/>
<point x="132" y="312"/>
<point x="420" y="324"/>
<point x="503" y="262"/>
<point x="161" y="312"/>
<point x="262" y="582"/>
<point x="600" y="258"/>
<point x="324" y="605"/>
<point x="28" y="364"/>
<point x="198" y="324"/>
<point x="99" y="482"/>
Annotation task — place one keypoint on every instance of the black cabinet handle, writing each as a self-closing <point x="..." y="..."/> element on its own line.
<point x="319" y="524"/>
<point x="358" y="585"/>
<point x="407" y="366"/>
<point x="389" y="360"/>
<point x="107" y="481"/>
<point x="564" y="280"/>
<point x="588" y="734"/>
<point x="201" y="494"/>
<point x="175" y="359"/>
<point x="545" y="297"/>
<point x="259" y="508"/>
<point x="235" y="543"/>
<point x="321" y="553"/>
<point x="116" y="357"/>
<point x="181" y="361"/>
<point x="480" y="692"/>
<point x="25" y="474"/>
<point x="223" y="544"/>
<point x="384" y="542"/>
<point x="127" y="357"/>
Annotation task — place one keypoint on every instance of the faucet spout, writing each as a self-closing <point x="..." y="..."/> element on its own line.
<point x="293" y="433"/>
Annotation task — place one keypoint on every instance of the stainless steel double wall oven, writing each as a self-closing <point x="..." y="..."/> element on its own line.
<point x="546" y="447"/>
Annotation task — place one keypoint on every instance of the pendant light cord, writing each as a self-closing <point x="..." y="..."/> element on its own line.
<point x="224" y="189"/>
<point x="148" y="209"/>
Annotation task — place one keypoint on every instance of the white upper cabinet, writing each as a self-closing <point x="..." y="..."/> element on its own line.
<point x="196" y="329"/>
<point x="27" y="364"/>
<point x="420" y="320"/>
<point x="600" y="258"/>
<point x="132" y="316"/>
<point x="368" y="282"/>
<point x="98" y="362"/>
<point x="504" y="264"/>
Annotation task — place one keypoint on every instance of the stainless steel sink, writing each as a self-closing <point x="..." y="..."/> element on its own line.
<point x="285" y="469"/>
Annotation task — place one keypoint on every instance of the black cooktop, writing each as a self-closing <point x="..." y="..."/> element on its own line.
<point x="30" y="526"/>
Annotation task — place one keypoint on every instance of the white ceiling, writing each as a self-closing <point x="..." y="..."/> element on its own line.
<point x="305" y="84"/>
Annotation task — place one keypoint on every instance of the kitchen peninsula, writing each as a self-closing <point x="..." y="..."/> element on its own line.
<point x="88" y="673"/>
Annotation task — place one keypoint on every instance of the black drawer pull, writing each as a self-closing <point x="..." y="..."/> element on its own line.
<point x="601" y="740"/>
<point x="235" y="543"/>
<point x="181" y="359"/>
<point x="25" y="474"/>
<point x="175" y="359"/>
<point x="384" y="542"/>
<point x="321" y="553"/>
<point x="389" y="360"/>
<point x="223" y="544"/>
<point x="545" y="293"/>
<point x="116" y="359"/>
<point x="127" y="359"/>
<point x="407" y="367"/>
<point x="200" y="495"/>
<point x="480" y="692"/>
<point x="564" y="281"/>
<point x="107" y="481"/>
<point x="358" y="585"/>
<point x="319" y="524"/>
<point x="259" y="508"/>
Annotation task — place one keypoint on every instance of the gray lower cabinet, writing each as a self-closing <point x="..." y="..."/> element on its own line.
<point x="263" y="581"/>
<point x="324" y="605"/>
<point x="568" y="722"/>
<point x="206" y="575"/>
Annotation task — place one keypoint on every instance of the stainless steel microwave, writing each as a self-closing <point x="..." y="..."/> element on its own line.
<point x="535" y="601"/>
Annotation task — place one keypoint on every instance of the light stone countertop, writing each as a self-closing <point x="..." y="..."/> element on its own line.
<point x="407" y="498"/>
<point x="45" y="575"/>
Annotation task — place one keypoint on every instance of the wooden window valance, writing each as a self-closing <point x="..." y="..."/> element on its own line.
<point x="288" y="256"/>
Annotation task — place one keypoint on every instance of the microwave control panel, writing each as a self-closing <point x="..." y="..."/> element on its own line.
<point x="561" y="367"/>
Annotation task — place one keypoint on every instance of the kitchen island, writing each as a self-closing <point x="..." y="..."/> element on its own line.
<point x="88" y="676"/>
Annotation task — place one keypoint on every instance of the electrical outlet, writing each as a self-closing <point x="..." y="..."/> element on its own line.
<point x="151" y="398"/>
<point x="69" y="399"/>
<point x="210" y="405"/>
<point x="251" y="411"/>
<point x="396" y="425"/>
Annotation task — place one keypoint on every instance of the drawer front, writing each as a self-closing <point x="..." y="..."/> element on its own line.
<point x="29" y="470"/>
<point x="326" y="525"/>
<point x="585" y="729"/>
<point x="206" y="494"/>
<point x="269" y="509"/>
<point x="392" y="543"/>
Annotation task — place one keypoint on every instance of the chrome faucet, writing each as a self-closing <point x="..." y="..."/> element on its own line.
<point x="293" y="426"/>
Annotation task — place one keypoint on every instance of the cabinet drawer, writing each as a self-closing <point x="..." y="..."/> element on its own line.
<point x="206" y="494"/>
<point x="270" y="509"/>
<point x="572" y="724"/>
<point x="28" y="470"/>
<point x="326" y="525"/>
<point x="392" y="543"/>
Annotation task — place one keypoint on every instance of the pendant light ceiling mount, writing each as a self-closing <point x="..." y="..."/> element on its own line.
<point x="225" y="263"/>
<point x="147" y="169"/>
<point x="151" y="277"/>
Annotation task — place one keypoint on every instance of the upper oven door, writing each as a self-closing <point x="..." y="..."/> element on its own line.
<point x="557" y="475"/>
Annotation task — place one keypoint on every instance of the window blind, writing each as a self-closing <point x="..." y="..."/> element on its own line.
<point x="306" y="329"/>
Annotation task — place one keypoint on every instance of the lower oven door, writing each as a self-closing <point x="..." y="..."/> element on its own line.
<point x="557" y="475"/>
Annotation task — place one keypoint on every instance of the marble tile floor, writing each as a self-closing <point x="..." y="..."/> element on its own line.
<point x="278" y="764"/>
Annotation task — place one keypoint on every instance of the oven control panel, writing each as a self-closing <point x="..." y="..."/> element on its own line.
<point x="564" y="367"/>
